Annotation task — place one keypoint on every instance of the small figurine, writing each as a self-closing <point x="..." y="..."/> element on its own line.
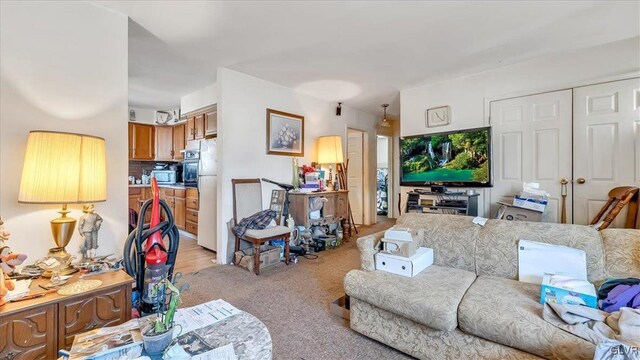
<point x="5" y="286"/>
<point x="9" y="260"/>
<point x="88" y="226"/>
<point x="4" y="233"/>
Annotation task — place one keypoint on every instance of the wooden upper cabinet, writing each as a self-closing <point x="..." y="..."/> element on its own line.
<point x="211" y="122"/>
<point x="164" y="143"/>
<point x="190" y="129"/>
<point x="141" y="142"/>
<point x="178" y="141"/>
<point x="199" y="127"/>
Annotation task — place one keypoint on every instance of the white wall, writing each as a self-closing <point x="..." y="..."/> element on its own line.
<point x="63" y="68"/>
<point x="242" y="105"/>
<point x="199" y="99"/>
<point x="469" y="96"/>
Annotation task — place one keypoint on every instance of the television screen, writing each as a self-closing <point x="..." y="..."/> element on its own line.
<point x="459" y="158"/>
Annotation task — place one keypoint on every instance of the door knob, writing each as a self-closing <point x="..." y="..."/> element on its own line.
<point x="581" y="181"/>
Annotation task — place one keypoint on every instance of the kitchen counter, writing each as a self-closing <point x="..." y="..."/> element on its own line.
<point x="173" y="186"/>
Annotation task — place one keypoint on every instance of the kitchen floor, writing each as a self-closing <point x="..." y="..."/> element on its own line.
<point x="192" y="257"/>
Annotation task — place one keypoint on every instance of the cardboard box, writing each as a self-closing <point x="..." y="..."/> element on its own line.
<point x="584" y="295"/>
<point x="269" y="256"/>
<point x="403" y="266"/>
<point x="515" y="213"/>
<point x="530" y="203"/>
<point x="341" y="307"/>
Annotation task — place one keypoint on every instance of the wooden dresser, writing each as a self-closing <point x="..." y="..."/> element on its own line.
<point x="38" y="328"/>
<point x="336" y="205"/>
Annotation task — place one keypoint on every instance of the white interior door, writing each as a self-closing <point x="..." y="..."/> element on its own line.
<point x="607" y="145"/>
<point x="355" y="174"/>
<point x="532" y="143"/>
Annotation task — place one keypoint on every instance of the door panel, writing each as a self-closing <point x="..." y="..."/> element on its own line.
<point x="607" y="143"/>
<point x="164" y="143"/>
<point x="355" y="174"/>
<point x="178" y="141"/>
<point x="532" y="143"/>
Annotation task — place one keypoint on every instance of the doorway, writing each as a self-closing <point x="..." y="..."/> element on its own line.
<point x="355" y="173"/>
<point x="382" y="176"/>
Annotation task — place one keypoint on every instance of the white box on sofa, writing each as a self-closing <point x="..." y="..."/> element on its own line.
<point x="403" y="266"/>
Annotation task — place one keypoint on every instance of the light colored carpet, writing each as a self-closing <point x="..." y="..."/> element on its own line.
<point x="293" y="302"/>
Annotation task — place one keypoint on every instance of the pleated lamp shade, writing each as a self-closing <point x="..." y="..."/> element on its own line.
<point x="63" y="168"/>
<point x="330" y="149"/>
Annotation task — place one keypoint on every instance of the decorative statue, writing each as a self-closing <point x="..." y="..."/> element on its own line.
<point x="4" y="233"/>
<point x="8" y="259"/>
<point x="5" y="286"/>
<point x="88" y="226"/>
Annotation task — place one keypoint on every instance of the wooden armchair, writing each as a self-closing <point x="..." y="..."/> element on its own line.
<point x="247" y="200"/>
<point x="618" y="198"/>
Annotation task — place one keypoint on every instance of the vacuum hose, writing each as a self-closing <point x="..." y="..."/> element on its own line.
<point x="134" y="250"/>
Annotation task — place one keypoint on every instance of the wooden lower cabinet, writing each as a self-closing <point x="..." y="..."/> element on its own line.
<point x="180" y="213"/>
<point x="106" y="308"/>
<point x="29" y="334"/>
<point x="183" y="203"/>
<point x="38" y="328"/>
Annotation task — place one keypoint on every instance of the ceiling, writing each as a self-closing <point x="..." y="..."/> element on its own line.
<point x="359" y="53"/>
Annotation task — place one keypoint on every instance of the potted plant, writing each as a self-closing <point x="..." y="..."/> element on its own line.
<point x="157" y="336"/>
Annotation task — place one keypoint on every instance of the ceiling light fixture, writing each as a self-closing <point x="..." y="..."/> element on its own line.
<point x="385" y="122"/>
<point x="339" y="109"/>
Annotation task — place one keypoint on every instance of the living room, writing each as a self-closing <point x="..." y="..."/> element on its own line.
<point x="555" y="102"/>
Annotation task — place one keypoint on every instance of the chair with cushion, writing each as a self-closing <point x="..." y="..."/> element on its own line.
<point x="247" y="200"/>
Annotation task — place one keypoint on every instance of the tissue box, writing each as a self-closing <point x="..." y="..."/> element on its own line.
<point x="530" y="203"/>
<point x="404" y="266"/>
<point x="559" y="295"/>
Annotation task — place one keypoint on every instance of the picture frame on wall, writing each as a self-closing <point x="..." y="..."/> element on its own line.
<point x="438" y="116"/>
<point x="285" y="133"/>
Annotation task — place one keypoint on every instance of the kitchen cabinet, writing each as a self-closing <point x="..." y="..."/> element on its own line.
<point x="199" y="127"/>
<point x="180" y="213"/>
<point x="211" y="122"/>
<point x="141" y="142"/>
<point x="178" y="141"/>
<point x="192" y="205"/>
<point x="164" y="143"/>
<point x="190" y="128"/>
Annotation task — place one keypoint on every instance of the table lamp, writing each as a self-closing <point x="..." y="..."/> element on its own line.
<point x="63" y="168"/>
<point x="330" y="152"/>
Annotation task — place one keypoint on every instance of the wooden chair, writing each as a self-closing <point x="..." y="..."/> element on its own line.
<point x="618" y="198"/>
<point x="247" y="200"/>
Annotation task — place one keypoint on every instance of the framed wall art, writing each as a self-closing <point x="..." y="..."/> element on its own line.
<point x="438" y="116"/>
<point x="285" y="133"/>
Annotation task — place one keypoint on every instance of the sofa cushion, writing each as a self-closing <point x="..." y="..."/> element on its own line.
<point x="430" y="298"/>
<point x="451" y="237"/>
<point x="621" y="252"/>
<point x="507" y="311"/>
<point x="497" y="245"/>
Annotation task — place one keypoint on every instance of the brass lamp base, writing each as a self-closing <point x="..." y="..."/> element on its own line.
<point x="62" y="230"/>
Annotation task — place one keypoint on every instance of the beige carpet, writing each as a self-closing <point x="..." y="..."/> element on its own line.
<point x="293" y="302"/>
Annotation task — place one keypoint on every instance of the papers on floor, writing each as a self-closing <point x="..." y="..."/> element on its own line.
<point x="202" y="315"/>
<point x="536" y="259"/>
<point x="21" y="290"/>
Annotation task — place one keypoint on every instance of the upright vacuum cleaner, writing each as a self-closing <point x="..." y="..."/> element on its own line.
<point x="146" y="258"/>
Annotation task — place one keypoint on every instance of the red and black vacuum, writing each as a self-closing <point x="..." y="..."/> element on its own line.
<point x="147" y="258"/>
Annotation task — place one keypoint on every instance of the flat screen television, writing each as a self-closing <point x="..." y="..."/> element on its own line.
<point x="459" y="158"/>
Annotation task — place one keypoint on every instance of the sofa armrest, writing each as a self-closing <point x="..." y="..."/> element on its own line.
<point x="369" y="245"/>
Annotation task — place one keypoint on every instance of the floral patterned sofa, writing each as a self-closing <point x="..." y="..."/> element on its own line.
<point x="469" y="304"/>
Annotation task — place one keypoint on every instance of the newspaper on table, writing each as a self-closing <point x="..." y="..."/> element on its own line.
<point x="202" y="315"/>
<point x="107" y="343"/>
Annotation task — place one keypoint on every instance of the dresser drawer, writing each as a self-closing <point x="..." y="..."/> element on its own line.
<point x="105" y="308"/>
<point x="169" y="192"/>
<point x="192" y="215"/>
<point x="192" y="203"/>
<point x="191" y="227"/>
<point x="29" y="334"/>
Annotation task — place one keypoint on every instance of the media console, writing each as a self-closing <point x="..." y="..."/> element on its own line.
<point x="451" y="202"/>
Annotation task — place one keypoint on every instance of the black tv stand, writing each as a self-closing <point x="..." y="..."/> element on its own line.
<point x="450" y="202"/>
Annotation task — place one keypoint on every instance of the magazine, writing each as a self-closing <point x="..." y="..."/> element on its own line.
<point x="108" y="343"/>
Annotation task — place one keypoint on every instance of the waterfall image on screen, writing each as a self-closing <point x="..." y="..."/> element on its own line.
<point x="458" y="157"/>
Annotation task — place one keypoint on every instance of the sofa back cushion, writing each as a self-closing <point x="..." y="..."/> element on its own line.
<point x="497" y="245"/>
<point x="621" y="252"/>
<point x="451" y="237"/>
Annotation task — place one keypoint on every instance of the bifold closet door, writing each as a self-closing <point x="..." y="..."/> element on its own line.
<point x="531" y="142"/>
<point x="606" y="145"/>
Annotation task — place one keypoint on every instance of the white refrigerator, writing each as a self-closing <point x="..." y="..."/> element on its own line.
<point x="207" y="187"/>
